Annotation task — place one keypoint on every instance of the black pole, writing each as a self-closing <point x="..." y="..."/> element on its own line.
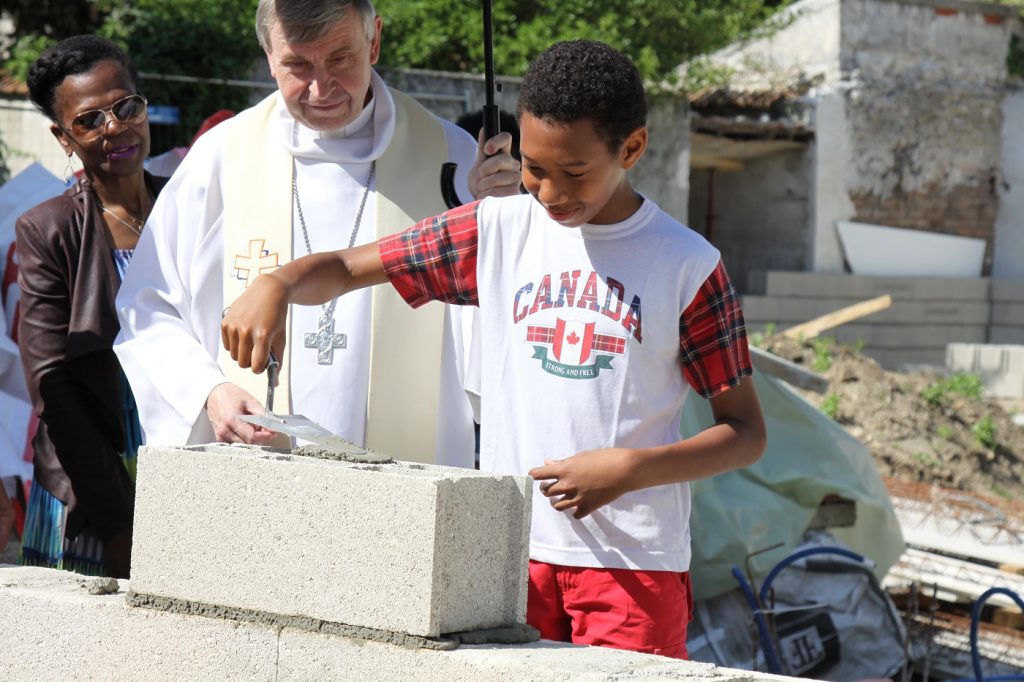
<point x="490" y="111"/>
<point x="490" y="108"/>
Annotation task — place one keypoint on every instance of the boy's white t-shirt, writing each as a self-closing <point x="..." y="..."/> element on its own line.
<point x="578" y="349"/>
<point x="594" y="369"/>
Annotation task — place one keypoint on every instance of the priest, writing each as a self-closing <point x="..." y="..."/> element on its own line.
<point x="332" y="146"/>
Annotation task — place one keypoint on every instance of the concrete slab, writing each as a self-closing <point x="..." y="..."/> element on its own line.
<point x="1000" y="367"/>
<point x="406" y="547"/>
<point x="52" y="629"/>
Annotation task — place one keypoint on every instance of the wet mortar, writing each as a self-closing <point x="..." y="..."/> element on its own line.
<point x="514" y="634"/>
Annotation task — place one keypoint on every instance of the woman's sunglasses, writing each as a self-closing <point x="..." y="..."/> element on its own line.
<point x="127" y="110"/>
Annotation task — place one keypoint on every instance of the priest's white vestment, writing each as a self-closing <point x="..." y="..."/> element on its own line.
<point x="171" y="300"/>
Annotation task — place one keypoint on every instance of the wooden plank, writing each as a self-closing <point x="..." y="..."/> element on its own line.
<point x="811" y="328"/>
<point x="706" y="161"/>
<point x="790" y="372"/>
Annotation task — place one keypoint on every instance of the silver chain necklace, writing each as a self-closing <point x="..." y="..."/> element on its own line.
<point x="133" y="228"/>
<point x="324" y="339"/>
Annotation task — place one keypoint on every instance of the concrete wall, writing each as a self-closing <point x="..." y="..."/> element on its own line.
<point x="1008" y="256"/>
<point x="663" y="174"/>
<point x="52" y="629"/>
<point x="805" y="50"/>
<point x="760" y="214"/>
<point x="926" y="315"/>
<point x="831" y="158"/>
<point x="25" y="137"/>
<point x="925" y="111"/>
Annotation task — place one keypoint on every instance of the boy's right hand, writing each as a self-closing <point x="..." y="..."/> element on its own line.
<point x="255" y="323"/>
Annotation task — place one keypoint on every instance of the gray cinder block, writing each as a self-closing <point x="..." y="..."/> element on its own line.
<point x="406" y="547"/>
<point x="1000" y="367"/>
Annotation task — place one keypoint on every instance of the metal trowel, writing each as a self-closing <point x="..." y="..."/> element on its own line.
<point x="299" y="426"/>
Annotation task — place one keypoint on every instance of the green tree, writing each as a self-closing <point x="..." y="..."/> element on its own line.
<point x="200" y="38"/>
<point x="657" y="34"/>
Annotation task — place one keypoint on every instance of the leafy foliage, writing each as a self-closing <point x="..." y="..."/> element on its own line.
<point x="966" y="385"/>
<point x="657" y="34"/>
<point x="830" y="405"/>
<point x="202" y="38"/>
<point x="985" y="432"/>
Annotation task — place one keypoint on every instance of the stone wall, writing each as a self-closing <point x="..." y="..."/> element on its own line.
<point x="925" y="87"/>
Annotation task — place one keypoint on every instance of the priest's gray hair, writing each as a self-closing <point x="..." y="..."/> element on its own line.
<point x="303" y="21"/>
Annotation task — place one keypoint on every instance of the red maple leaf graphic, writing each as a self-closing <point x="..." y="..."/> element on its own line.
<point x="572" y="339"/>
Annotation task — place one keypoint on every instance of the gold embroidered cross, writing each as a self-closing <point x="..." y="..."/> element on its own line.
<point x="256" y="263"/>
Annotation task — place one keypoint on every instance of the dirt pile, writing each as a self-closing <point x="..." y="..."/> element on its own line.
<point x="921" y="426"/>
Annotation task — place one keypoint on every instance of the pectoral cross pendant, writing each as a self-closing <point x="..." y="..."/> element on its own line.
<point x="325" y="340"/>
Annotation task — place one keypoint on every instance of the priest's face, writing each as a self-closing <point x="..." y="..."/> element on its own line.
<point x="326" y="82"/>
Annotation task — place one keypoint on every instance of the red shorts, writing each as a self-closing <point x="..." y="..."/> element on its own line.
<point x="612" y="607"/>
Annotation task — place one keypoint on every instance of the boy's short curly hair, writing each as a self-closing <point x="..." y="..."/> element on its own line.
<point x="70" y="57"/>
<point x="585" y="79"/>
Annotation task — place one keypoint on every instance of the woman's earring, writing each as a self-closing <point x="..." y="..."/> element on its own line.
<point x="69" y="173"/>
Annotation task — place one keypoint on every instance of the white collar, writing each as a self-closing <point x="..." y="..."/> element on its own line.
<point x="361" y="141"/>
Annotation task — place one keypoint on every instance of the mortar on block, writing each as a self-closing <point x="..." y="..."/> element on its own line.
<point x="411" y="548"/>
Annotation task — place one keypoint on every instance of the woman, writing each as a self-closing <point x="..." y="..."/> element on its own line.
<point x="73" y="251"/>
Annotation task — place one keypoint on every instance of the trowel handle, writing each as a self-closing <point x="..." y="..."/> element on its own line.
<point x="272" y="367"/>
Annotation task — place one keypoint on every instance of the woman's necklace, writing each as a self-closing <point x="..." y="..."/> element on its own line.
<point x="136" y="228"/>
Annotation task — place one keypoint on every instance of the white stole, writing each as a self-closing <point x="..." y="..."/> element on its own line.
<point x="405" y="345"/>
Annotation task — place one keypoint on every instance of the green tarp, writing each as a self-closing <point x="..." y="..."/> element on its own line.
<point x="809" y="456"/>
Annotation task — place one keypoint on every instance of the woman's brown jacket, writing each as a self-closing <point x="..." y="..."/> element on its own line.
<point x="66" y="330"/>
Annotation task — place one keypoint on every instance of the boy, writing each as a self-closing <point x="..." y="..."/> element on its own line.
<point x="597" y="309"/>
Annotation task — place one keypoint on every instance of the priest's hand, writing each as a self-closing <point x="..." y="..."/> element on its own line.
<point x="225" y="402"/>
<point x="495" y="172"/>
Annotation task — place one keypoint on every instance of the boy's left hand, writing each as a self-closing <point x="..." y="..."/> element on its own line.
<point x="586" y="481"/>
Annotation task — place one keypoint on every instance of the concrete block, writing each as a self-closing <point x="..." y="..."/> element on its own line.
<point x="405" y="547"/>
<point x="52" y="629"/>
<point x="1008" y="290"/>
<point x="1004" y="334"/>
<point x="925" y="336"/>
<point x="860" y="287"/>
<point x="1008" y="313"/>
<point x="789" y="311"/>
<point x="900" y="359"/>
<point x="1000" y="367"/>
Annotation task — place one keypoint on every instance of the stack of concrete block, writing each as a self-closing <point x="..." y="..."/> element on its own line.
<point x="926" y="315"/>
<point x="1000" y="367"/>
<point x="398" y="547"/>
<point x="1007" y="311"/>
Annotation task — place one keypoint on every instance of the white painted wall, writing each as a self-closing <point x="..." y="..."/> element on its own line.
<point x="1008" y="254"/>
<point x="807" y="49"/>
<point x="832" y="166"/>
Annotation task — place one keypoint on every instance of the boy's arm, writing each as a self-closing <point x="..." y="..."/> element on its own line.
<point x="716" y="363"/>
<point x="255" y="323"/>
<point x="435" y="259"/>
<point x="592" y="479"/>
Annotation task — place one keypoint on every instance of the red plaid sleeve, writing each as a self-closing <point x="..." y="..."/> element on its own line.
<point x="435" y="260"/>
<point x="713" y="338"/>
